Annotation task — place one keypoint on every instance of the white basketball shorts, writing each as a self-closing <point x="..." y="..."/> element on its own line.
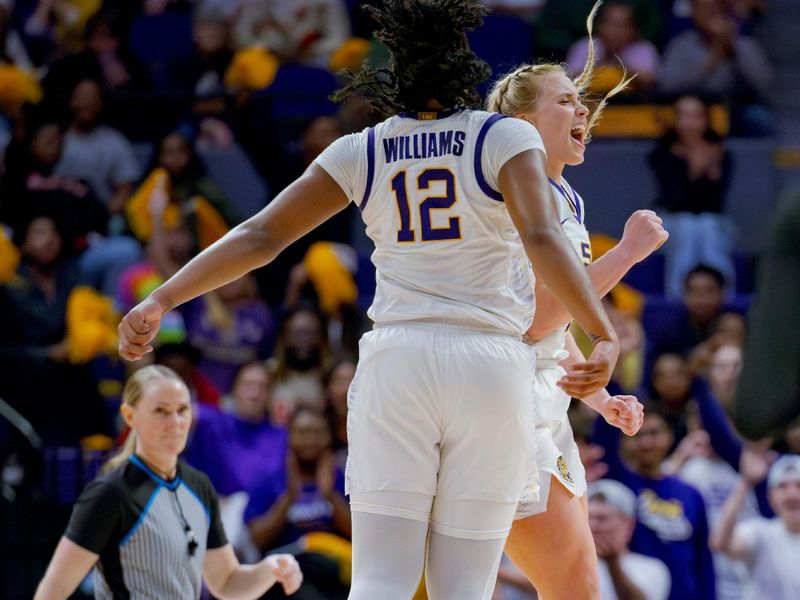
<point x="441" y="428"/>
<point x="556" y="451"/>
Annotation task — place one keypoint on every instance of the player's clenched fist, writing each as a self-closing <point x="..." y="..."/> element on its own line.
<point x="138" y="328"/>
<point x="644" y="233"/>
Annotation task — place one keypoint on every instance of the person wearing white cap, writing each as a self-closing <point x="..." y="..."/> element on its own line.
<point x="769" y="547"/>
<point x="623" y="574"/>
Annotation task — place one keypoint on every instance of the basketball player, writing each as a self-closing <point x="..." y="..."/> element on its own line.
<point x="440" y="423"/>
<point x="551" y="541"/>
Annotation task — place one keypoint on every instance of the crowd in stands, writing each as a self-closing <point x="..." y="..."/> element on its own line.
<point x="134" y="133"/>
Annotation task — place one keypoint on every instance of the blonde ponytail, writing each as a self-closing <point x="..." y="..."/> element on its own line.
<point x="124" y="453"/>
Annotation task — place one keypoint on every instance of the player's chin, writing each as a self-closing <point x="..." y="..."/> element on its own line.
<point x="576" y="157"/>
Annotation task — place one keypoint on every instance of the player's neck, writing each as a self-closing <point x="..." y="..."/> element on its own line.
<point x="554" y="170"/>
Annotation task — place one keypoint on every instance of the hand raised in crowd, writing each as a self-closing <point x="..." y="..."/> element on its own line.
<point x="755" y="462"/>
<point x="286" y="571"/>
<point x="139" y="328"/>
<point x="644" y="233"/>
<point x="610" y="544"/>
<point x="624" y="412"/>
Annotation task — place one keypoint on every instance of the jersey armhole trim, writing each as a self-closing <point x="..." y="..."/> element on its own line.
<point x="370" y="168"/>
<point x="482" y="183"/>
<point x="141" y="516"/>
<point x="199" y="499"/>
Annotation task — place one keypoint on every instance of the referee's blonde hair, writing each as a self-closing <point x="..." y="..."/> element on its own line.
<point x="131" y="394"/>
<point x="517" y="91"/>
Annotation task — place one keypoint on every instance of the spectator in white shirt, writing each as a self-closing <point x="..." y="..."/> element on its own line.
<point x="769" y="547"/>
<point x="623" y="574"/>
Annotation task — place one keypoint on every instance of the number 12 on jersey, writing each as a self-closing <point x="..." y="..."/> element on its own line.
<point x="428" y="233"/>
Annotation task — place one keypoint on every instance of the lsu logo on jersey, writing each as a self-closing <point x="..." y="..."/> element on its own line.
<point x="563" y="470"/>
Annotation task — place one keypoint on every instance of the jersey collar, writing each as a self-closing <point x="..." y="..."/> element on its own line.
<point x="433" y="115"/>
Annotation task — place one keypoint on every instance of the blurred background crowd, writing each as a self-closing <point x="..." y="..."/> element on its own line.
<point x="134" y="133"/>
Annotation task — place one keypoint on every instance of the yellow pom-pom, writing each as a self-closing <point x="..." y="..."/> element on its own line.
<point x="252" y="68"/>
<point x="9" y="258"/>
<point x="332" y="281"/>
<point x="18" y="86"/>
<point x="91" y="325"/>
<point x="350" y="55"/>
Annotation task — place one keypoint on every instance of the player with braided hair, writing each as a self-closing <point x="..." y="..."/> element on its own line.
<point x="440" y="424"/>
<point x="550" y="540"/>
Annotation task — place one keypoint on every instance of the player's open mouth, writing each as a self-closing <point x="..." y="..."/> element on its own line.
<point x="578" y="134"/>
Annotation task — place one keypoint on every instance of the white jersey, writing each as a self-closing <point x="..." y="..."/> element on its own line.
<point x="571" y="215"/>
<point x="446" y="250"/>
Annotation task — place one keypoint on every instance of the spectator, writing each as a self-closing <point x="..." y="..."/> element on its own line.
<point x="97" y="153"/>
<point x="769" y="547"/>
<point x="105" y="59"/>
<point x="693" y="171"/>
<point x="715" y="480"/>
<point x="253" y="451"/>
<point x="561" y="23"/>
<point x="301" y="355"/>
<point x="728" y="330"/>
<point x="694" y="321"/>
<point x="623" y="574"/>
<point x="723" y="373"/>
<point x="671" y="515"/>
<point x="306" y="31"/>
<point x="32" y="183"/>
<point x="57" y="397"/>
<point x="310" y="499"/>
<point x="670" y="388"/>
<point x="200" y="75"/>
<point x="618" y="40"/>
<point x="178" y="172"/>
<point x="714" y="59"/>
<point x="230" y="326"/>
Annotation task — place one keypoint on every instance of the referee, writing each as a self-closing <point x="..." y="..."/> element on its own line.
<point x="150" y="524"/>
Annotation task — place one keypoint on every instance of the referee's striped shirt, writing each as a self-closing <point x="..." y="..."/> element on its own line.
<point x="137" y="522"/>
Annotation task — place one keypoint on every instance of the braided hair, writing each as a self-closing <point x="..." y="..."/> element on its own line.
<point x="517" y="91"/>
<point x="431" y="59"/>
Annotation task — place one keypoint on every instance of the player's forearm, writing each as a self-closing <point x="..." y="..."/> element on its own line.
<point x="244" y="248"/>
<point x="606" y="272"/>
<point x="595" y="400"/>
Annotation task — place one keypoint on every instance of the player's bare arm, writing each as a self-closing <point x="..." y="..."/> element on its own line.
<point x="623" y="412"/>
<point x="527" y="194"/>
<point x="643" y="235"/>
<point x="301" y="207"/>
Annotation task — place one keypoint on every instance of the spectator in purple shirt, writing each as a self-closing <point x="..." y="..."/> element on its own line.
<point x="311" y="495"/>
<point x="671" y="515"/>
<point x="239" y="449"/>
